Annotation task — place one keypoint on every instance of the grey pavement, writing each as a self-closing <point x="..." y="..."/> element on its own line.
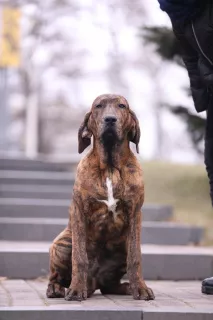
<point x="21" y="299"/>
<point x="36" y="177"/>
<point x="35" y="191"/>
<point x="46" y="229"/>
<point x="44" y="163"/>
<point x="159" y="262"/>
<point x="58" y="208"/>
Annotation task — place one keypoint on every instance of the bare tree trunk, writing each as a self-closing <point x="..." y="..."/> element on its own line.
<point x="116" y="64"/>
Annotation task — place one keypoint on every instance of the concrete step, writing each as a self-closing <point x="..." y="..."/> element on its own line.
<point x="43" y="164"/>
<point x="29" y="260"/>
<point x="51" y="208"/>
<point x="26" y="300"/>
<point x="36" y="178"/>
<point x="24" y="191"/>
<point x="44" y="229"/>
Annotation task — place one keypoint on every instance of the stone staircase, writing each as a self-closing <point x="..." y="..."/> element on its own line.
<point x="34" y="201"/>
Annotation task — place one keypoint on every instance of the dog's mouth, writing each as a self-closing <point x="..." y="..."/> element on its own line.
<point x="109" y="136"/>
<point x="110" y="140"/>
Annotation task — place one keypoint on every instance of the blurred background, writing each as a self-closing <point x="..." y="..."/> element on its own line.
<point x="56" y="56"/>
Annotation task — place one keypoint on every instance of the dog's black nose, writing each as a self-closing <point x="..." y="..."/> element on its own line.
<point x="110" y="120"/>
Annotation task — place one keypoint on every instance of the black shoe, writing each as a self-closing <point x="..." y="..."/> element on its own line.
<point x="207" y="286"/>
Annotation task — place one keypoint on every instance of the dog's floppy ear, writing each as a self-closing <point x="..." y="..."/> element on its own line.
<point x="135" y="133"/>
<point x="84" y="134"/>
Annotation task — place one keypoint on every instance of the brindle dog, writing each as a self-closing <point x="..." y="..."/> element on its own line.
<point x="102" y="240"/>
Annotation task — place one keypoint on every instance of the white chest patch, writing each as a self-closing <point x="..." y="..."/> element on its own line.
<point x="111" y="202"/>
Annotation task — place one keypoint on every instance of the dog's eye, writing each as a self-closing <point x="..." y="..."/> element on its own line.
<point x="99" y="106"/>
<point x="122" y="106"/>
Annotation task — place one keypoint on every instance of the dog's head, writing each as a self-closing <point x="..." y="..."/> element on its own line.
<point x="110" y="121"/>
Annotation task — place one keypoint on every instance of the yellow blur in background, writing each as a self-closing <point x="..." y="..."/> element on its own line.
<point x="10" y="37"/>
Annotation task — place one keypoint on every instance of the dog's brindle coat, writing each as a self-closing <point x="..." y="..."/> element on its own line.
<point x="102" y="239"/>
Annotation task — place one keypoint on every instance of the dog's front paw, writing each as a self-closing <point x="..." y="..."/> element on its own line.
<point x="55" y="290"/>
<point x="141" y="292"/>
<point x="75" y="294"/>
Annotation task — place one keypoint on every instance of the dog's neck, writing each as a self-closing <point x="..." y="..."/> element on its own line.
<point x="111" y="157"/>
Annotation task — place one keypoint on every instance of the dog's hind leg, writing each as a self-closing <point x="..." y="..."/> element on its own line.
<point x="60" y="265"/>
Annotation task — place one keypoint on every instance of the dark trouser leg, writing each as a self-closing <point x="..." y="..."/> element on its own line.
<point x="209" y="149"/>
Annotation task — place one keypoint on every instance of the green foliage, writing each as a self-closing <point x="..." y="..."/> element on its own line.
<point x="195" y="126"/>
<point x="166" y="45"/>
<point x="165" y="42"/>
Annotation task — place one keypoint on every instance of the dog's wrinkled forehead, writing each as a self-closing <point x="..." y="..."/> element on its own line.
<point x="110" y="99"/>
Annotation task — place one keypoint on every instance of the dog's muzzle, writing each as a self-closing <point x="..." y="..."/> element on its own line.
<point x="109" y="133"/>
<point x="110" y="121"/>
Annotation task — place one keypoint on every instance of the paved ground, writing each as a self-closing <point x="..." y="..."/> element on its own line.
<point x="174" y="300"/>
<point x="159" y="262"/>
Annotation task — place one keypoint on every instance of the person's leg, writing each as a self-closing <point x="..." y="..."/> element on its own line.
<point x="200" y="36"/>
<point x="204" y="30"/>
<point x="209" y="149"/>
<point x="207" y="284"/>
